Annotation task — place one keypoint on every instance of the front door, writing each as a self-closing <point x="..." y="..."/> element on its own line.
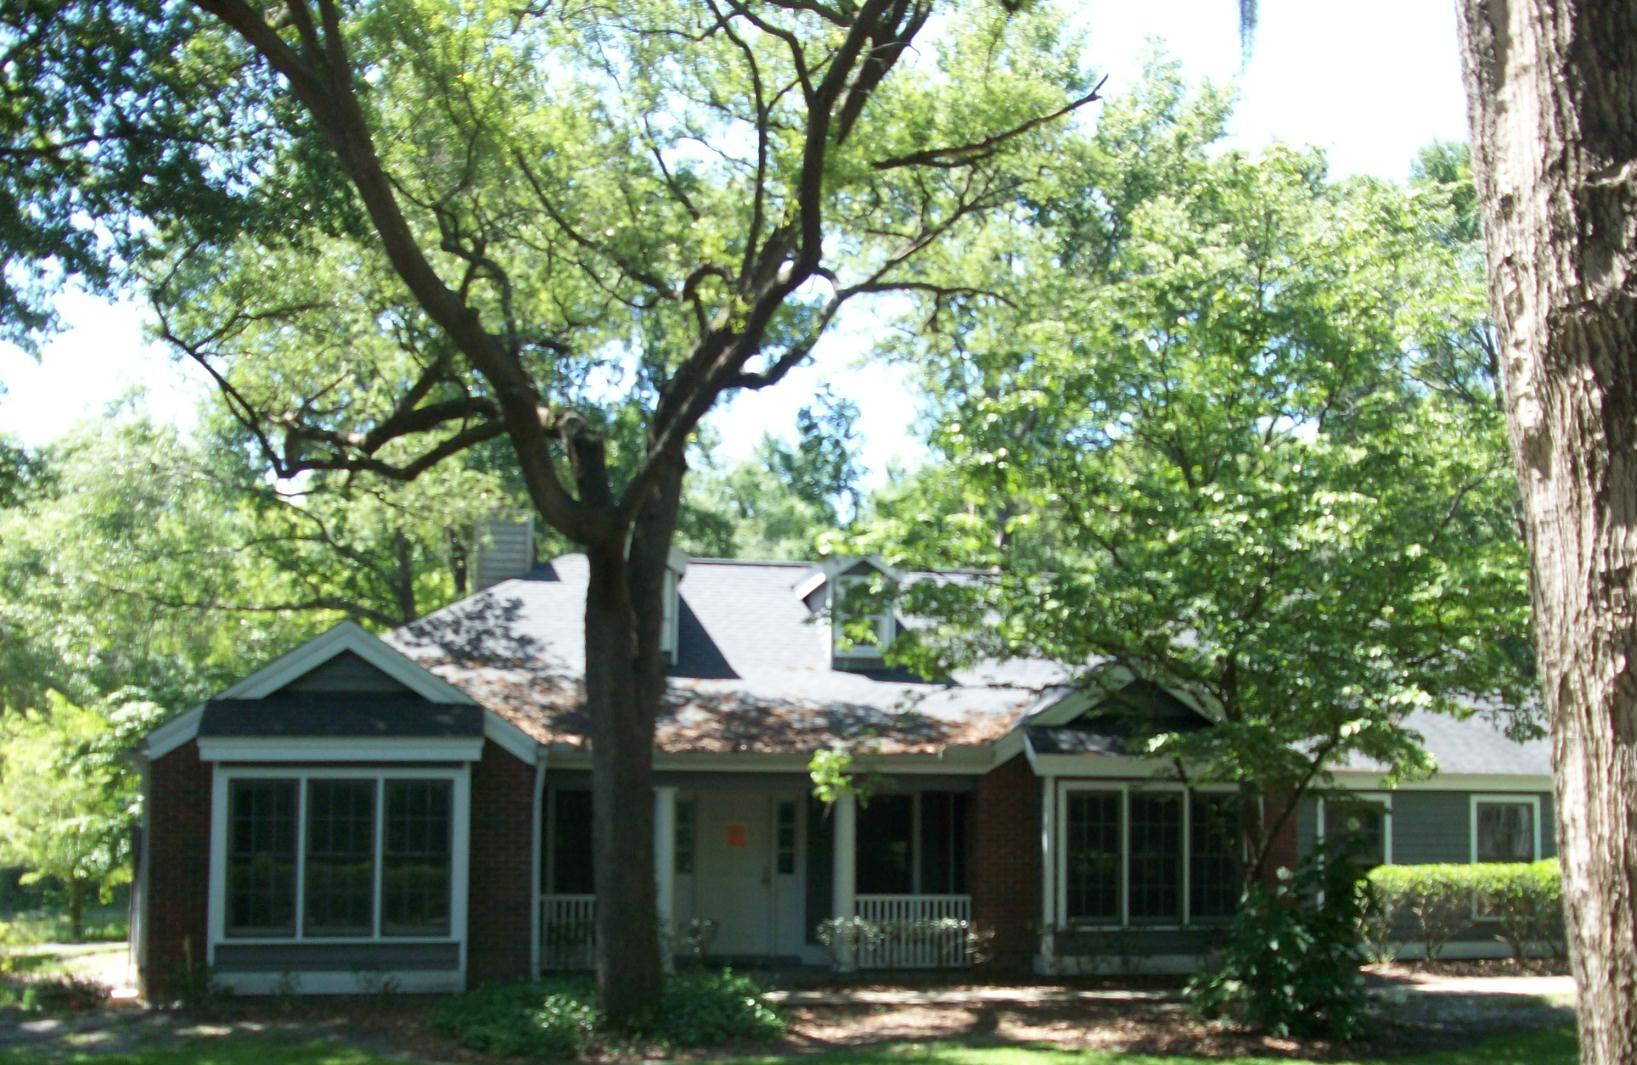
<point x="733" y="881"/>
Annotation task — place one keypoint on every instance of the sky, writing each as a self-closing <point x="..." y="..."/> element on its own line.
<point x="1368" y="83"/>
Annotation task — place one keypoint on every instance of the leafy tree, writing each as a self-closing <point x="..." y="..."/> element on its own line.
<point x="1552" y="98"/>
<point x="1219" y="424"/>
<point x="778" y="503"/>
<point x="67" y="804"/>
<point x="170" y="565"/>
<point x="397" y="230"/>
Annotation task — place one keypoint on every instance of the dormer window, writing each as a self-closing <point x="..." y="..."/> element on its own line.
<point x="862" y="625"/>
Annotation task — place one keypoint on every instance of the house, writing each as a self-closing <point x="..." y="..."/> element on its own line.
<point x="413" y="810"/>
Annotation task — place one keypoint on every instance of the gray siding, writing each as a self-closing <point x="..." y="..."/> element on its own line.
<point x="1137" y="942"/>
<point x="346" y="672"/>
<point x="337" y="957"/>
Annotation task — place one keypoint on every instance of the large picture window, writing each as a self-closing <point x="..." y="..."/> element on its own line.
<point x="346" y="856"/>
<point x="1149" y="857"/>
<point x="1361" y="823"/>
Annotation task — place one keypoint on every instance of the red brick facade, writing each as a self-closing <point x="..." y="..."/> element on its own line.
<point x="1006" y="862"/>
<point x="178" y="874"/>
<point x="501" y="901"/>
<point x="1282" y="852"/>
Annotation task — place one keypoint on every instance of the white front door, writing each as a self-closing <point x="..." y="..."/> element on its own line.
<point x="746" y="877"/>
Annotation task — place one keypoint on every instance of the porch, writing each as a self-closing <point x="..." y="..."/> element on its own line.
<point x="756" y="871"/>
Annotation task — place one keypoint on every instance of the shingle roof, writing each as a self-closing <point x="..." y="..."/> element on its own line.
<point x="330" y="715"/>
<point x="753" y="670"/>
<point x="1475" y="744"/>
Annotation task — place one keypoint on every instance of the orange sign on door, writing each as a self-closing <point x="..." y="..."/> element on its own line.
<point x="736" y="834"/>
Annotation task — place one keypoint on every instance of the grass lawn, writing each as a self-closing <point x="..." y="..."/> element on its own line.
<point x="1551" y="1047"/>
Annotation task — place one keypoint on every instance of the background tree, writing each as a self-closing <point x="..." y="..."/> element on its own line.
<point x="67" y="805"/>
<point x="167" y="564"/>
<point x="1552" y="98"/>
<point x="394" y="231"/>
<point x="1236" y="425"/>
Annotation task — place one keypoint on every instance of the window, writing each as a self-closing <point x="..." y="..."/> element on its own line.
<point x="261" y="858"/>
<point x="1504" y="830"/>
<point x="1149" y="857"/>
<point x="1093" y="877"/>
<point x="375" y="857"/>
<point x="684" y="837"/>
<point x="1216" y="874"/>
<point x="340" y="865"/>
<point x="912" y="844"/>
<point x="1363" y="823"/>
<point x="1155" y="870"/>
<point x="864" y="627"/>
<point x="415" y="862"/>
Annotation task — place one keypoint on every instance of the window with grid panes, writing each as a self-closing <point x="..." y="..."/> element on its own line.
<point x="1155" y="861"/>
<point x="415" y="860"/>
<point x="261" y="858"/>
<point x="1215" y="873"/>
<point x="339" y="868"/>
<point x="1092" y="856"/>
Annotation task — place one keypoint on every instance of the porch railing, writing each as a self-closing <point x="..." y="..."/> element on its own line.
<point x="568" y="932"/>
<point x="915" y="931"/>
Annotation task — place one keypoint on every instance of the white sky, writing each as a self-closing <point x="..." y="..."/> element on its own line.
<point x="1368" y="83"/>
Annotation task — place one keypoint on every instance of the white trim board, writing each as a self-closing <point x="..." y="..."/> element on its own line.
<point x="347" y="636"/>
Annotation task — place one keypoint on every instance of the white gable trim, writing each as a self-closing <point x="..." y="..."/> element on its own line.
<point x="173" y="734"/>
<point x="1108" y="681"/>
<point x="511" y="739"/>
<point x="347" y="636"/>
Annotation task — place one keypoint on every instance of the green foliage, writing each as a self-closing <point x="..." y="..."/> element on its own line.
<point x="67" y="802"/>
<point x="1229" y="424"/>
<point x="835" y="772"/>
<point x="560" y="1018"/>
<point x="51" y="993"/>
<point x="1292" y="959"/>
<point x="1433" y="904"/>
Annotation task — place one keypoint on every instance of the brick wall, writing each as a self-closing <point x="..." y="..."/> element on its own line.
<point x="501" y="900"/>
<point x="1283" y="848"/>
<point x="178" y="843"/>
<point x="1005" y="870"/>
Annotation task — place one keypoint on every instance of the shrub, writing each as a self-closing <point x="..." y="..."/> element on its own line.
<point x="1290" y="965"/>
<point x="560" y="1018"/>
<point x="1439" y="902"/>
<point x="705" y="1008"/>
<point x="58" y="993"/>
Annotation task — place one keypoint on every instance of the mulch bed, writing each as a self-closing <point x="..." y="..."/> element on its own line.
<point x="400" y="1025"/>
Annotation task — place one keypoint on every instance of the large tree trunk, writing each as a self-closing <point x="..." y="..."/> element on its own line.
<point x="625" y="683"/>
<point x="1552" y="96"/>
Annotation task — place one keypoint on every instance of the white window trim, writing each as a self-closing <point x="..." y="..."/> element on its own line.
<point x="1385" y="798"/>
<point x="1060" y="902"/>
<point x="459" y="857"/>
<point x="1514" y="799"/>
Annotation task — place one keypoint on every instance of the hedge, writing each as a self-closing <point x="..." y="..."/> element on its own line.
<point x="1439" y="902"/>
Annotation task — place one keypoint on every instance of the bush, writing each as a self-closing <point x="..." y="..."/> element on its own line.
<point x="57" y="993"/>
<point x="1438" y="902"/>
<point x="560" y="1018"/>
<point x="1291" y="962"/>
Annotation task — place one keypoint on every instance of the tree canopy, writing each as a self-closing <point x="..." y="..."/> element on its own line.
<point x="1234" y="432"/>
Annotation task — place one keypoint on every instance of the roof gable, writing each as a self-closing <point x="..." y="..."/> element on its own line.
<point x="347" y="638"/>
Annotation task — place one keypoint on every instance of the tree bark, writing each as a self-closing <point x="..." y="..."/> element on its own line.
<point x="625" y="683"/>
<point x="1552" y="98"/>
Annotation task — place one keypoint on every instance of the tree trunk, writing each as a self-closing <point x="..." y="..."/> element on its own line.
<point x="625" y="684"/>
<point x="76" y="910"/>
<point x="1552" y="97"/>
<point x="622" y="731"/>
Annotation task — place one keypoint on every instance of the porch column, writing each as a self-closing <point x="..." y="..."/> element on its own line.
<point x="665" y="866"/>
<point x="843" y="896"/>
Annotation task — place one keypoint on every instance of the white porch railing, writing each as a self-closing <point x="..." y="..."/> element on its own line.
<point x="916" y="931"/>
<point x="568" y="932"/>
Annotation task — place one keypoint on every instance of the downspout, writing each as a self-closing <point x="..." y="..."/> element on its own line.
<point x="535" y="900"/>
